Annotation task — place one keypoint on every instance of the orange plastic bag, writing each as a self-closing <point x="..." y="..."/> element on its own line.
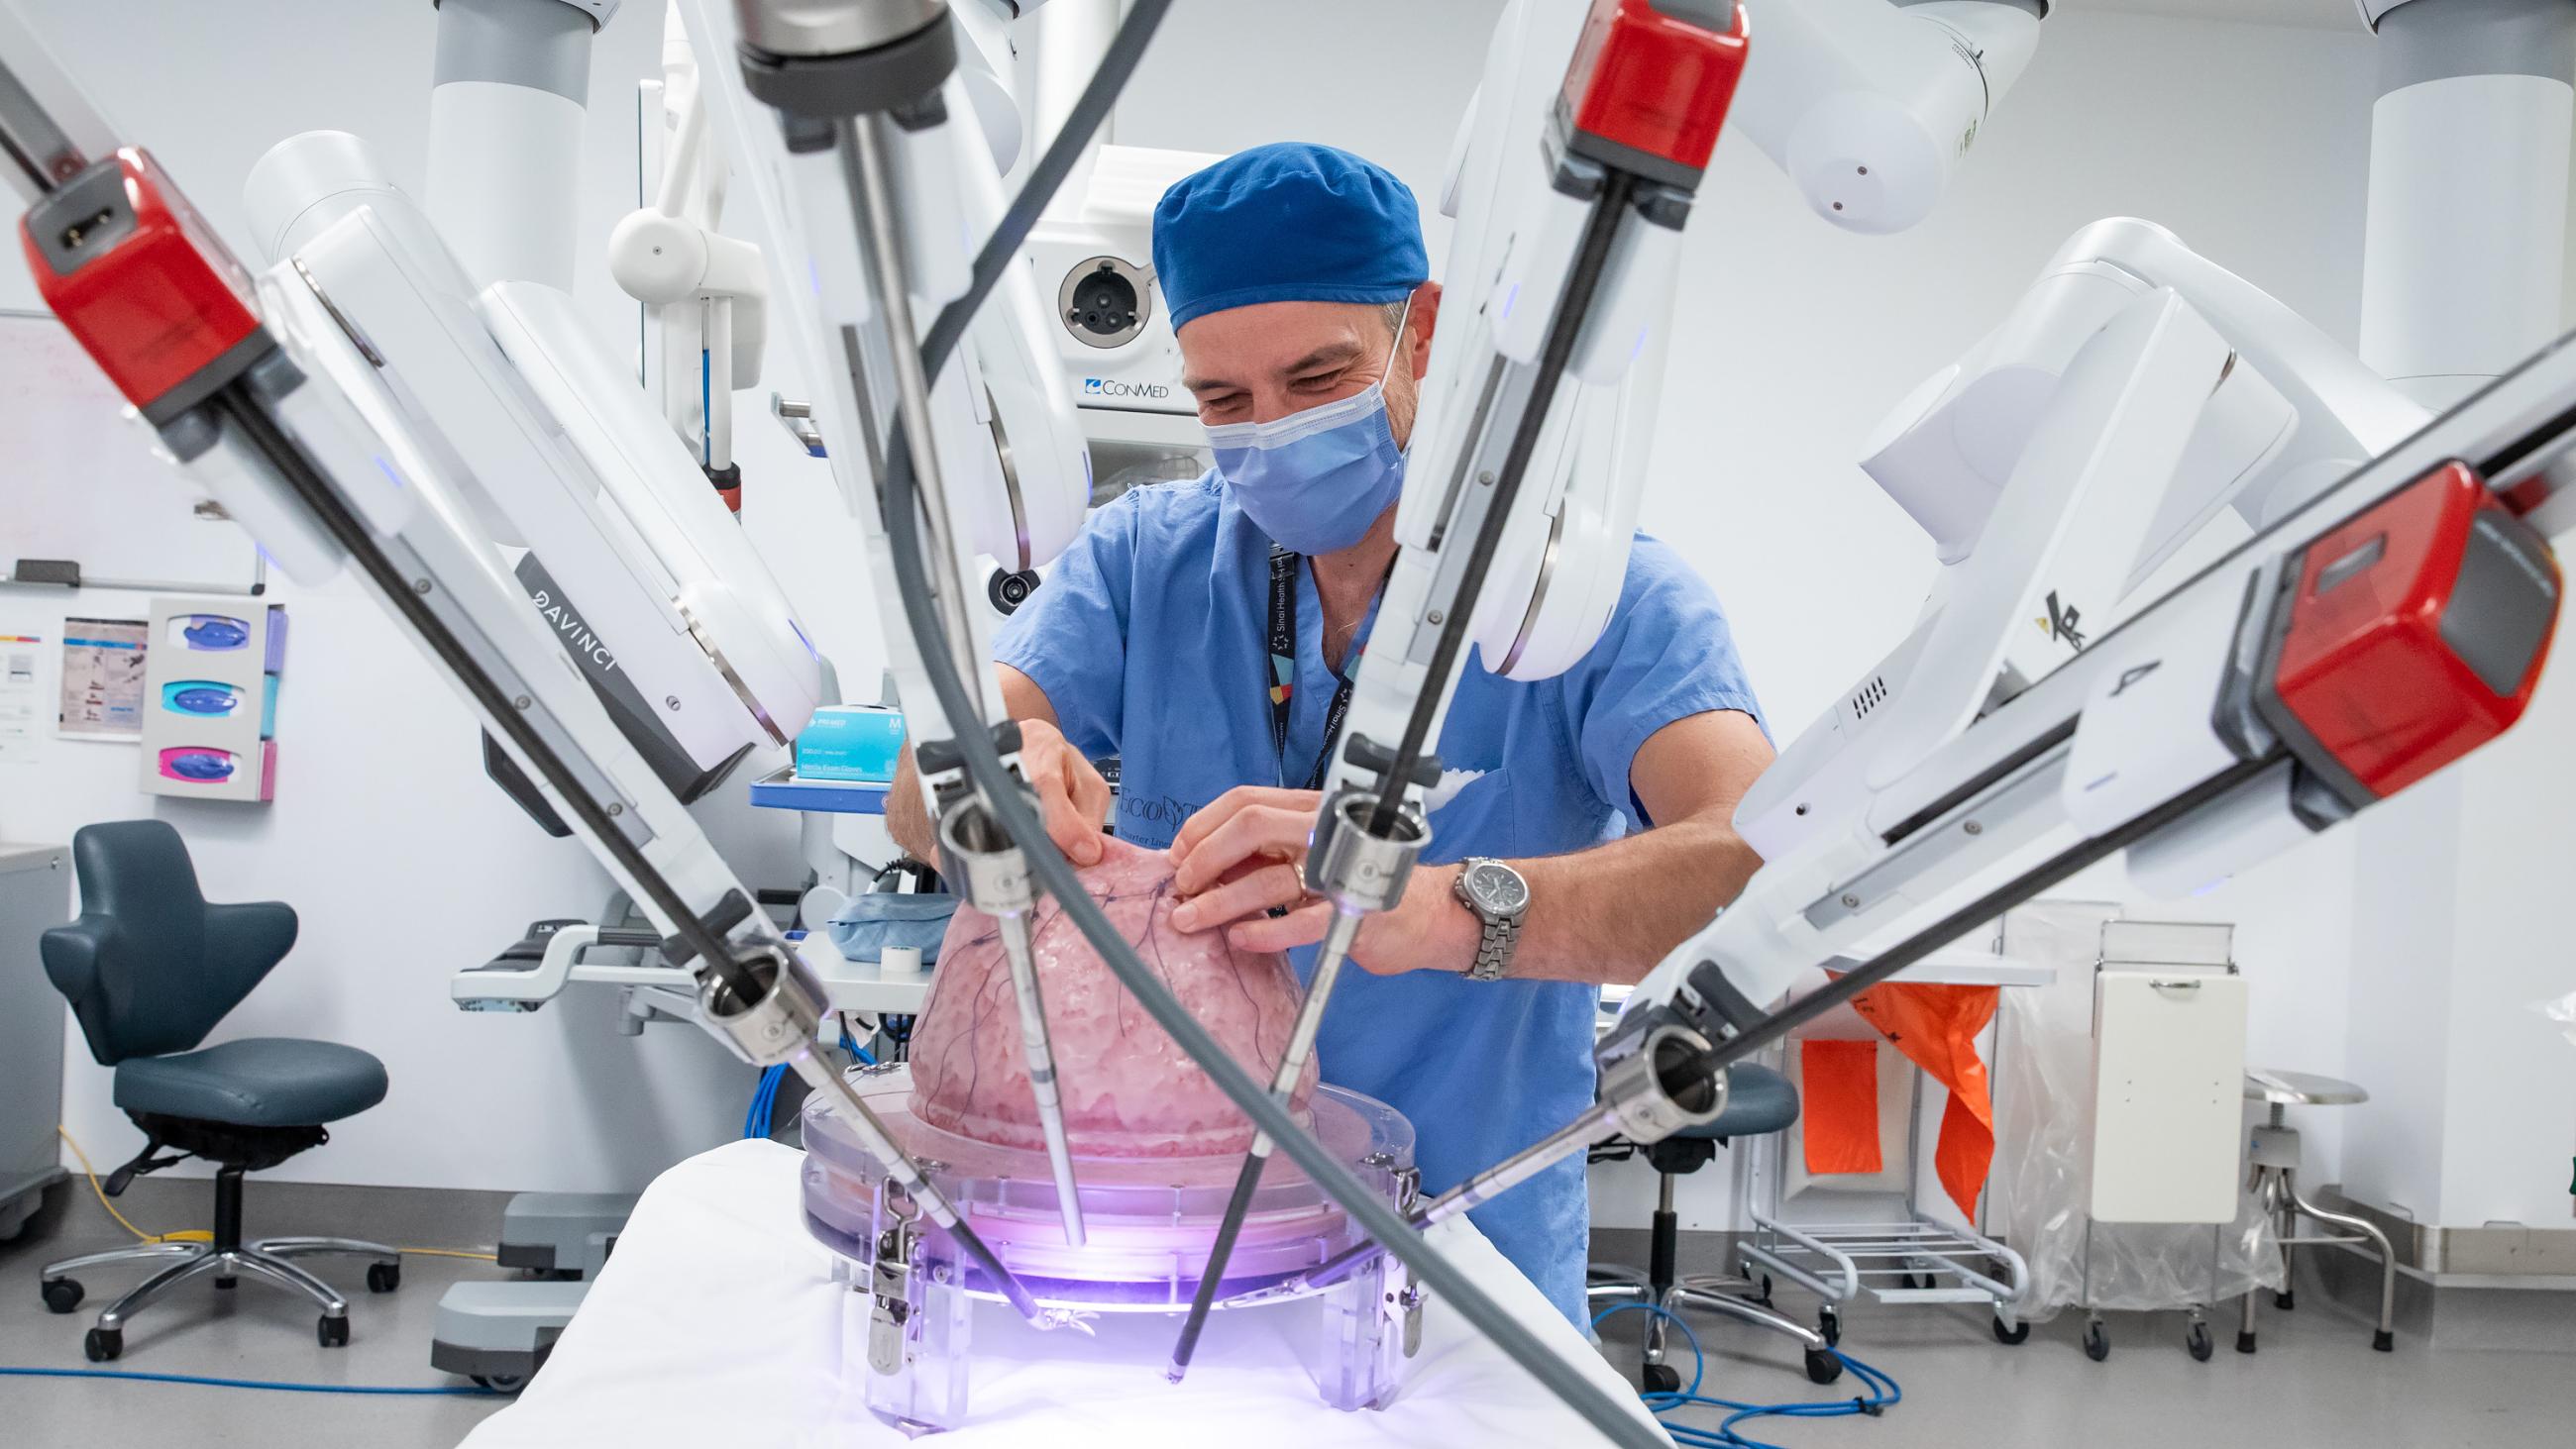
<point x="1839" y="1118"/>
<point x="1937" y="1029"/>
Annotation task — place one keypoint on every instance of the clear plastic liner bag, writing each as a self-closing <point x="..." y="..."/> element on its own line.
<point x="2037" y="1196"/>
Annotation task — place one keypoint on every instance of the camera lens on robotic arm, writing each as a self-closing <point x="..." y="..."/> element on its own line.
<point x="1009" y="590"/>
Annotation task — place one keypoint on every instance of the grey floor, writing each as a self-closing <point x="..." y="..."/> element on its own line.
<point x="2315" y="1383"/>
<point x="249" y="1332"/>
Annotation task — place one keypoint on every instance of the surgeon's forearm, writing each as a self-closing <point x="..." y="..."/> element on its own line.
<point x="1070" y="792"/>
<point x="906" y="818"/>
<point x="1606" y="915"/>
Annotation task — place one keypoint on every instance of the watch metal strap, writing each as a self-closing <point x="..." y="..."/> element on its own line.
<point x="1494" y="950"/>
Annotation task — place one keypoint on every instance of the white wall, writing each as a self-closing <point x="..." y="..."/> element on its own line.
<point x="2251" y="142"/>
<point x="402" y="862"/>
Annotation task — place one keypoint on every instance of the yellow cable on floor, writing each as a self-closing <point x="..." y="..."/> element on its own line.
<point x="200" y="1235"/>
<point x="189" y="1236"/>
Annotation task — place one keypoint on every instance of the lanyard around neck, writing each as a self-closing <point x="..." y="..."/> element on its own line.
<point x="1283" y="670"/>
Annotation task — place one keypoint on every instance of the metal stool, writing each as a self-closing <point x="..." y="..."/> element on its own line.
<point x="2275" y="1157"/>
<point x="1759" y="1100"/>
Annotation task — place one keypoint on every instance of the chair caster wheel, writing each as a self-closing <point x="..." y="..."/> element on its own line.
<point x="383" y="1277"/>
<point x="501" y="1383"/>
<point x="2199" y="1343"/>
<point x="1823" y="1365"/>
<point x="100" y="1345"/>
<point x="2244" y="1343"/>
<point x="228" y="1282"/>
<point x="2097" y="1342"/>
<point x="1830" y="1324"/>
<point x="2284" y="1300"/>
<point x="1660" y="1378"/>
<point x="2014" y="1333"/>
<point x="62" y="1295"/>
<point x="2384" y="1341"/>
<point x="332" y="1332"/>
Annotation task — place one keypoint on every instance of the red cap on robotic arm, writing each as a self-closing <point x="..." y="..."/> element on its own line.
<point x="1650" y="83"/>
<point x="2412" y="633"/>
<point x="135" y="273"/>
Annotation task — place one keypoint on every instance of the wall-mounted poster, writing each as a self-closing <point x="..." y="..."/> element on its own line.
<point x="102" y="681"/>
<point x="21" y="699"/>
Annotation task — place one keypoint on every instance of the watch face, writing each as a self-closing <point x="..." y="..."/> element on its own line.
<point x="1497" y="888"/>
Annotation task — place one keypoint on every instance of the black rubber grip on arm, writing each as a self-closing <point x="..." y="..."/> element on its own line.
<point x="938" y="757"/>
<point x="1378" y="760"/>
<point x="730" y="912"/>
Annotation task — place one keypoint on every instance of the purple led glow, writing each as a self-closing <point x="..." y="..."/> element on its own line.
<point x="1148" y="1223"/>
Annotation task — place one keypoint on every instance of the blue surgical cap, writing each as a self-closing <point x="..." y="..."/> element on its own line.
<point x="1290" y="222"/>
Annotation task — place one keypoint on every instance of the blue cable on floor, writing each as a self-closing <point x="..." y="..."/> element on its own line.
<point x="467" y="1391"/>
<point x="1883" y="1390"/>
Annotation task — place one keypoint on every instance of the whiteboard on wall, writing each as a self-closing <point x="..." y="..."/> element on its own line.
<point x="78" y="480"/>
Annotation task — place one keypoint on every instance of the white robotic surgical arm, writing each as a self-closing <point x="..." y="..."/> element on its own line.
<point x="1868" y="105"/>
<point x="1571" y="182"/>
<point x="622" y="550"/>
<point x="2394" y="621"/>
<point x="2288" y="413"/>
<point x="2391" y="622"/>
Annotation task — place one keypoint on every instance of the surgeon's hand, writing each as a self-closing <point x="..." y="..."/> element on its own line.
<point x="1246" y="853"/>
<point x="1070" y="792"/>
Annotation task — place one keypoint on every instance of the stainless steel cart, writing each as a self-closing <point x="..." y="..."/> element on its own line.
<point x="1879" y="1244"/>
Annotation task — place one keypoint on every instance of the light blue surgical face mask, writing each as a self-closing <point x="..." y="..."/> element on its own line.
<point x="1315" y="481"/>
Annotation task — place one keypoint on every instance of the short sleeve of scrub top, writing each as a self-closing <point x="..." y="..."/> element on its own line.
<point x="1070" y="637"/>
<point x="1669" y="655"/>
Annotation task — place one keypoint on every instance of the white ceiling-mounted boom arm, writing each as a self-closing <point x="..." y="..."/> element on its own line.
<point x="704" y="293"/>
<point x="1868" y="105"/>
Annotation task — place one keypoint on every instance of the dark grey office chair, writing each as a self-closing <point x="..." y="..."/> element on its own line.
<point x="1759" y="1101"/>
<point x="149" y="968"/>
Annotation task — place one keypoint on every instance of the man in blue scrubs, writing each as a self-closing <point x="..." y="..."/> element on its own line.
<point x="1298" y="286"/>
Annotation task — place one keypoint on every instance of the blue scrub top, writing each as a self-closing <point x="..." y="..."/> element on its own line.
<point x="1149" y="640"/>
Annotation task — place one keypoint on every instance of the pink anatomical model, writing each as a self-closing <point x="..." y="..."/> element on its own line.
<point x="1128" y="1090"/>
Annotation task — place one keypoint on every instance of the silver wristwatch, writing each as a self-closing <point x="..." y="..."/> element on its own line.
<point x="1500" y="898"/>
